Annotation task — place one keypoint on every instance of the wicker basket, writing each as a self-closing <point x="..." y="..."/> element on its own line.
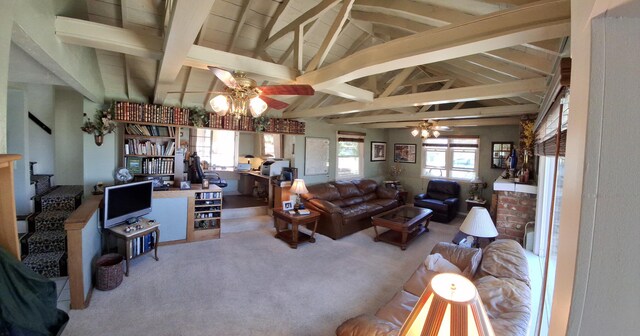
<point x="109" y="272"/>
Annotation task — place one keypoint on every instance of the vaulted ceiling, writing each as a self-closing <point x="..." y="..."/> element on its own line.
<point x="377" y="63"/>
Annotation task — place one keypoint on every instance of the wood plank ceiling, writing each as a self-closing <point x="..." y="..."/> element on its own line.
<point x="378" y="63"/>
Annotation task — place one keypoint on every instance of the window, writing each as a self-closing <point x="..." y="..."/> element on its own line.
<point x="218" y="148"/>
<point x="350" y="155"/>
<point x="455" y="158"/>
<point x="272" y="145"/>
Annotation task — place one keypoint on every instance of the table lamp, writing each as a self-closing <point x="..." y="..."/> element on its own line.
<point x="477" y="185"/>
<point x="478" y="224"/>
<point x="298" y="188"/>
<point x="450" y="305"/>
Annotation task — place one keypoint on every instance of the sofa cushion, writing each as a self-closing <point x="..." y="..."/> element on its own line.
<point x="368" y="197"/>
<point x="419" y="280"/>
<point x="504" y="258"/>
<point x="433" y="204"/>
<point x="398" y="309"/>
<point x="507" y="303"/>
<point x="367" y="325"/>
<point x="352" y="201"/>
<point x="438" y="195"/>
<point x="437" y="263"/>
<point x="385" y="202"/>
<point x="359" y="211"/>
<point x="366" y="186"/>
<point x="347" y="189"/>
<point x="467" y="259"/>
<point x="323" y="191"/>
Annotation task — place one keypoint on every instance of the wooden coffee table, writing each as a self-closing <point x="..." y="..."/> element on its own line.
<point x="404" y="224"/>
<point x="293" y="237"/>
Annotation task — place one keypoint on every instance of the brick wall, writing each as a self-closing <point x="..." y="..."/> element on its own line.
<point x="514" y="210"/>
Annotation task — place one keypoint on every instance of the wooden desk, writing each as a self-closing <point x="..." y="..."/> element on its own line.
<point x="293" y="237"/>
<point x="147" y="227"/>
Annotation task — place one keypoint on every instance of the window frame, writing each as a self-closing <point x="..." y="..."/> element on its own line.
<point x="360" y="142"/>
<point x="449" y="149"/>
<point x="194" y="147"/>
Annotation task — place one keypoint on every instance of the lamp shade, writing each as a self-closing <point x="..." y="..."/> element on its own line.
<point x="450" y="305"/>
<point x="298" y="187"/>
<point x="478" y="223"/>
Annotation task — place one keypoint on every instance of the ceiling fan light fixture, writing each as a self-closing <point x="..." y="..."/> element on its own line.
<point x="220" y="104"/>
<point x="436" y="133"/>
<point x="257" y="106"/>
<point x="424" y="133"/>
<point x="415" y="132"/>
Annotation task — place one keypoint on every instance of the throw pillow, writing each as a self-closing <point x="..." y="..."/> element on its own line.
<point x="437" y="263"/>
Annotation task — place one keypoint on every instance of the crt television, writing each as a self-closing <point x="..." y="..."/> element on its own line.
<point x="126" y="202"/>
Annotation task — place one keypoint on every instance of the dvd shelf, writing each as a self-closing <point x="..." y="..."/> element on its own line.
<point x="177" y="116"/>
<point x="207" y="212"/>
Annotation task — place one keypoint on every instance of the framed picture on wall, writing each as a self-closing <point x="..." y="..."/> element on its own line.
<point x="404" y="153"/>
<point x="378" y="151"/>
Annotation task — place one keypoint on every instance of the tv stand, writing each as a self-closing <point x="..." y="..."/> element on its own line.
<point x="132" y="220"/>
<point x="145" y="226"/>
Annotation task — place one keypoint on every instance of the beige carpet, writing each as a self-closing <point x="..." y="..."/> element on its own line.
<point x="249" y="283"/>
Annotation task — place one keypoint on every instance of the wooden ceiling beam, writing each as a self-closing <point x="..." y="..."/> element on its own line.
<point x="397" y="80"/>
<point x="187" y="17"/>
<point x="446" y="86"/>
<point x="476" y="112"/>
<point x="332" y="36"/>
<point x="506" y="121"/>
<point x="529" y="23"/>
<point x="259" y="51"/>
<point x="480" y="92"/>
<point x="302" y="20"/>
<point x="427" y="14"/>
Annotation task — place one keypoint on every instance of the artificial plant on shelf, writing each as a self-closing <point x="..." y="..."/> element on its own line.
<point x="199" y="117"/>
<point x="261" y="123"/>
<point x="101" y="124"/>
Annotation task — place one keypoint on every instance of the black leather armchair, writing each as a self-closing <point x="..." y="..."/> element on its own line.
<point x="442" y="197"/>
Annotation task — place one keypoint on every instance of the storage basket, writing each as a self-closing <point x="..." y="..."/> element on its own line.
<point x="109" y="272"/>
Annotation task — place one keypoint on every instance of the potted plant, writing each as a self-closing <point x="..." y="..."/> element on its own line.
<point x="261" y="123"/>
<point x="101" y="124"/>
<point x="199" y="117"/>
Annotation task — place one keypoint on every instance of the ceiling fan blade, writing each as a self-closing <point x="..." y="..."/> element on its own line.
<point x="441" y="128"/>
<point x="217" y="92"/>
<point x="288" y="90"/>
<point x="224" y="76"/>
<point x="274" y="103"/>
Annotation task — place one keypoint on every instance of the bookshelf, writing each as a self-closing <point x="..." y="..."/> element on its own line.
<point x="204" y="222"/>
<point x="150" y="150"/>
<point x="158" y="115"/>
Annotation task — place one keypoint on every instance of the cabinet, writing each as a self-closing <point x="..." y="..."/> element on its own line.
<point x="150" y="151"/>
<point x="205" y="219"/>
<point x="8" y="227"/>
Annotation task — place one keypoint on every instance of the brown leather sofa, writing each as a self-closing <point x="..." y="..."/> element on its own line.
<point x="347" y="206"/>
<point x="500" y="272"/>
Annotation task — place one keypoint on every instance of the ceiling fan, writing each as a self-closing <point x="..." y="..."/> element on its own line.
<point x="242" y="93"/>
<point x="428" y="128"/>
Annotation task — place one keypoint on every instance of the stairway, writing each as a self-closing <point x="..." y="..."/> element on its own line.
<point x="44" y="247"/>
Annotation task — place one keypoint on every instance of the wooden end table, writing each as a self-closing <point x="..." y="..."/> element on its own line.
<point x="473" y="203"/>
<point x="147" y="227"/>
<point x="404" y="224"/>
<point x="293" y="236"/>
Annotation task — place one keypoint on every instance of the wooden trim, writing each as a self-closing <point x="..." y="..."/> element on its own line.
<point x="352" y="133"/>
<point x="83" y="214"/>
<point x="191" y="202"/>
<point x="74" y="262"/>
<point x="8" y="226"/>
<point x="89" y="296"/>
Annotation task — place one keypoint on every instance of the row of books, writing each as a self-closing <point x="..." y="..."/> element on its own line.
<point x="141" y="245"/>
<point x="137" y="165"/>
<point x="208" y="195"/>
<point x="246" y="123"/>
<point x="138" y="147"/>
<point x="127" y="111"/>
<point x="150" y="130"/>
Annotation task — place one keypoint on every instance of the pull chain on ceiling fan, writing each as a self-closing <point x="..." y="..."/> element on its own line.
<point x="242" y="94"/>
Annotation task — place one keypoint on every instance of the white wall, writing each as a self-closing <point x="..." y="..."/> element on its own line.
<point x="6" y="25"/>
<point x="41" y="144"/>
<point x="18" y="143"/>
<point x="99" y="161"/>
<point x="599" y="230"/>
<point x="68" y="109"/>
